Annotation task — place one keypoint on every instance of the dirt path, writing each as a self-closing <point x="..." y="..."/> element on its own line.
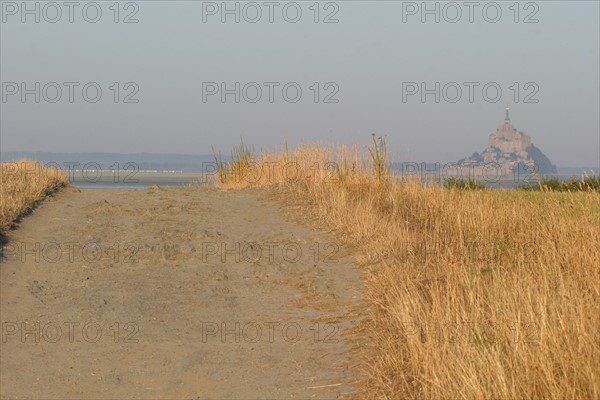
<point x="200" y="313"/>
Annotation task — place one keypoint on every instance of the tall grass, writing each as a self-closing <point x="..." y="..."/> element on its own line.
<point x="379" y="156"/>
<point x="473" y="294"/>
<point x="22" y="184"/>
<point x="239" y="168"/>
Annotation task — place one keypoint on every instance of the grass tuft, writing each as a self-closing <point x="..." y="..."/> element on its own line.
<point x="239" y="169"/>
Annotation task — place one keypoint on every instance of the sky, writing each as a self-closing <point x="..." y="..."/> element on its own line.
<point x="349" y="69"/>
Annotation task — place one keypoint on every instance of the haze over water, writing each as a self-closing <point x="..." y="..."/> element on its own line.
<point x="168" y="57"/>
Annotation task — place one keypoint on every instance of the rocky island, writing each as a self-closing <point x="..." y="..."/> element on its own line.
<point x="510" y="148"/>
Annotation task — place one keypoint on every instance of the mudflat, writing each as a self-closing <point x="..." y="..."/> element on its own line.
<point x="174" y="293"/>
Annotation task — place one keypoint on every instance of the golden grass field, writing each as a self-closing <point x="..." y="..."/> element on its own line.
<point x="22" y="184"/>
<point x="473" y="293"/>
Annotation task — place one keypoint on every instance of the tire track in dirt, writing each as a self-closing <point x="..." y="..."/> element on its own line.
<point x="284" y="313"/>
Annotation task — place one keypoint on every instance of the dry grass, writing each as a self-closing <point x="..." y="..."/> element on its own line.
<point x="474" y="294"/>
<point x="22" y="184"/>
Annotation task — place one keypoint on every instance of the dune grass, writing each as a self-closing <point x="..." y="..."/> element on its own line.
<point x="22" y="184"/>
<point x="472" y="293"/>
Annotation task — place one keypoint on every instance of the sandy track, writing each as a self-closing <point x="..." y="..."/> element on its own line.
<point x="81" y="320"/>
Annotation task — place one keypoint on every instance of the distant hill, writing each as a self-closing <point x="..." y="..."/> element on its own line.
<point x="192" y="163"/>
<point x="143" y="161"/>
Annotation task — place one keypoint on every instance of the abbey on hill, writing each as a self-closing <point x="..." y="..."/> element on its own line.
<point x="509" y="148"/>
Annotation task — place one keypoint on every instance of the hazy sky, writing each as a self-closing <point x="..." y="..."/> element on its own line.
<point x="177" y="50"/>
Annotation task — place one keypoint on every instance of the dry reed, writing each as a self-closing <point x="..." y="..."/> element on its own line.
<point x="22" y="184"/>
